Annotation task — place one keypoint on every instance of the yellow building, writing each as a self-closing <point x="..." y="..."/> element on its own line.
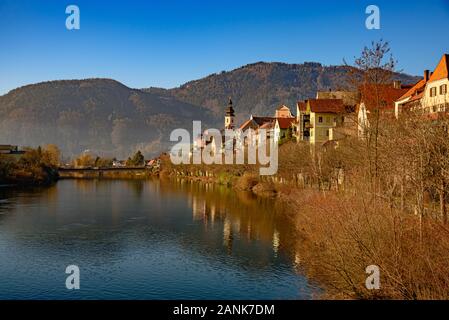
<point x="317" y="118"/>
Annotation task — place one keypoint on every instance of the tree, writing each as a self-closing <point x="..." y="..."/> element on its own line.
<point x="370" y="74"/>
<point x="84" y="160"/>
<point x="137" y="160"/>
<point x="51" y="155"/>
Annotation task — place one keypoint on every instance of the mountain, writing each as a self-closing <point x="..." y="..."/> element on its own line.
<point x="110" y="119"/>
<point x="100" y="115"/>
<point x="260" y="87"/>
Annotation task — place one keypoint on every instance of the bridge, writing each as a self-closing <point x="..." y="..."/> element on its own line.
<point x="110" y="172"/>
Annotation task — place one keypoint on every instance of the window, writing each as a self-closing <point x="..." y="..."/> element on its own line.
<point x="443" y="89"/>
<point x="327" y="133"/>
<point x="433" y="91"/>
<point x="320" y="119"/>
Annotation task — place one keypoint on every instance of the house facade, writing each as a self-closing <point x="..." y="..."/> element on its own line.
<point x="429" y="95"/>
<point x="377" y="100"/>
<point x="278" y="126"/>
<point x="317" y="118"/>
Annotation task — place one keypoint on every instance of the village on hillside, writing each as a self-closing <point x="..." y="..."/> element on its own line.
<point x="335" y="115"/>
<point x="324" y="121"/>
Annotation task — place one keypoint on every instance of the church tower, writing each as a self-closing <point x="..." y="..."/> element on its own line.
<point x="229" y="116"/>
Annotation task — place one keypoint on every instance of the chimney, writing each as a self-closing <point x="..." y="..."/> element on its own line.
<point x="426" y="75"/>
<point x="397" y="84"/>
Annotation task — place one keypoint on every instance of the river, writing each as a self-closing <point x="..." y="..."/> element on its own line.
<point x="146" y="239"/>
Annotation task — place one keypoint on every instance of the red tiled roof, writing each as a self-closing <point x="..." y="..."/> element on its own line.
<point x="302" y="106"/>
<point x="285" y="123"/>
<point x="380" y="96"/>
<point x="326" y="105"/>
<point x="442" y="69"/>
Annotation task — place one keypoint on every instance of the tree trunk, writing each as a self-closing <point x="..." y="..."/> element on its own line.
<point x="442" y="194"/>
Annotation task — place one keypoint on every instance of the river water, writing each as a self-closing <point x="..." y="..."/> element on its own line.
<point x="146" y="239"/>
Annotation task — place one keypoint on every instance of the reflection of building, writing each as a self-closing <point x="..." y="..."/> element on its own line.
<point x="276" y="241"/>
<point x="198" y="208"/>
<point x="228" y="236"/>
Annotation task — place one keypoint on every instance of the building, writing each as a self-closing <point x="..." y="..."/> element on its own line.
<point x="283" y="128"/>
<point x="229" y="116"/>
<point x="377" y="100"/>
<point x="436" y="96"/>
<point x="316" y="120"/>
<point x="350" y="98"/>
<point x="10" y="152"/>
<point x="278" y="126"/>
<point x="429" y="95"/>
<point x="283" y="112"/>
<point x="411" y="100"/>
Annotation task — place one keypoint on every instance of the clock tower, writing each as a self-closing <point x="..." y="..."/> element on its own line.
<point x="229" y="116"/>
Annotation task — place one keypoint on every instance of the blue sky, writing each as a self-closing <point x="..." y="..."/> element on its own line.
<point x="166" y="43"/>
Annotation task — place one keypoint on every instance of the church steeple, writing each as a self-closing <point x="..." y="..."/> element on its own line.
<point x="229" y="116"/>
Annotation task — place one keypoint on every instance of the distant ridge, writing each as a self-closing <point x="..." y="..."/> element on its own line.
<point x="109" y="118"/>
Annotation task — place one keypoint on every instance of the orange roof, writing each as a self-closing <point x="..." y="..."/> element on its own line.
<point x="326" y="105"/>
<point x="246" y="124"/>
<point x="442" y="69"/>
<point x="417" y="96"/>
<point x="418" y="87"/>
<point x="285" y="123"/>
<point x="381" y="96"/>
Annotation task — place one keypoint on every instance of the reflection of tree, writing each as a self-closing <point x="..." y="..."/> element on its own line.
<point x="137" y="186"/>
<point x="243" y="213"/>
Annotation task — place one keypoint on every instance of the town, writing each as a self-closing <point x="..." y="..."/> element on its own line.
<point x="331" y="116"/>
<point x="361" y="173"/>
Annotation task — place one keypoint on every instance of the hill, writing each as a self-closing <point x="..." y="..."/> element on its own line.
<point x="110" y="119"/>
<point x="259" y="88"/>
<point x="100" y="115"/>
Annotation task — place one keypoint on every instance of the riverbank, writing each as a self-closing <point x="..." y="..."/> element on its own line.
<point x="342" y="227"/>
<point x="31" y="177"/>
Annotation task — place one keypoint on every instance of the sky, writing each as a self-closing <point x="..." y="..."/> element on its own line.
<point x="165" y="43"/>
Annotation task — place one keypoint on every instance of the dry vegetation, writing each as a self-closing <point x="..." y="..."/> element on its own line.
<point x="380" y="200"/>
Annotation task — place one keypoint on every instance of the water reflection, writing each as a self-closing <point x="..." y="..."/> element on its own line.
<point x="239" y="213"/>
<point x="153" y="239"/>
